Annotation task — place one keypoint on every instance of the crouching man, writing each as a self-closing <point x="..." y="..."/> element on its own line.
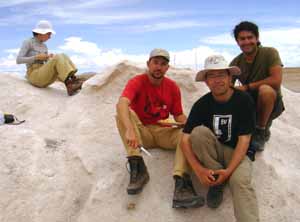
<point x="216" y="139"/>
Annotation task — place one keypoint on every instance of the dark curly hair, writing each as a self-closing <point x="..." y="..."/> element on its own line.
<point x="246" y="26"/>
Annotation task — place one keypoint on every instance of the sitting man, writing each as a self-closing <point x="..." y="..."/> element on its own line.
<point x="216" y="139"/>
<point x="261" y="76"/>
<point x="147" y="99"/>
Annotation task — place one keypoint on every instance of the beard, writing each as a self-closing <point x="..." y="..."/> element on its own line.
<point x="157" y="75"/>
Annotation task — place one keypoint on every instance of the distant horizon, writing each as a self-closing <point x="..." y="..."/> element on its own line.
<point x="100" y="33"/>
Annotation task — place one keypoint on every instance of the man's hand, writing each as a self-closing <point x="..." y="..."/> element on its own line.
<point x="131" y="138"/>
<point x="222" y="176"/>
<point x="242" y="88"/>
<point x="42" y="57"/>
<point x="206" y="176"/>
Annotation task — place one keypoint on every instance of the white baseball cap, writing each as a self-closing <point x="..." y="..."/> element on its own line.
<point x="216" y="62"/>
<point x="43" y="27"/>
<point x="159" y="52"/>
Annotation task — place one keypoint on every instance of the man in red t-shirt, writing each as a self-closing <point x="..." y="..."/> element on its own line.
<point x="146" y="100"/>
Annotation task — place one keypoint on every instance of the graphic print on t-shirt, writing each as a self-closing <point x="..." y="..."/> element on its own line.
<point x="156" y="108"/>
<point x="222" y="127"/>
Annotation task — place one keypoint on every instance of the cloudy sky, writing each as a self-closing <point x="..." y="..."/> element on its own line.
<point x="98" y="33"/>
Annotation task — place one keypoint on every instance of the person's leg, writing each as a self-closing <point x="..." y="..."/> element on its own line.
<point x="138" y="171"/>
<point x="243" y="194"/>
<point x="265" y="98"/>
<point x="185" y="195"/>
<point x="207" y="148"/>
<point x="64" y="66"/>
<point x="265" y="103"/>
<point x="41" y="75"/>
<point x="210" y="153"/>
<point x="143" y="133"/>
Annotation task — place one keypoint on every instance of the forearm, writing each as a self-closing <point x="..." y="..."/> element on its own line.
<point x="26" y="60"/>
<point x="123" y="113"/>
<point x="180" y="118"/>
<point x="274" y="80"/>
<point x="274" y="83"/>
<point x="239" y="153"/>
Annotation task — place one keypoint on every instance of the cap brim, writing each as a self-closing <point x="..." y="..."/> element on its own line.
<point x="234" y="70"/>
<point x="44" y="31"/>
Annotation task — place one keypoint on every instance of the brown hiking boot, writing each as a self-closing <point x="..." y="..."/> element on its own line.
<point x="185" y="195"/>
<point x="138" y="174"/>
<point x="73" y="85"/>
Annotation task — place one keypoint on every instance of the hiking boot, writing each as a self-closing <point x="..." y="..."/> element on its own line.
<point x="258" y="139"/>
<point x="214" y="196"/>
<point x="138" y="174"/>
<point x="73" y="85"/>
<point x="185" y="195"/>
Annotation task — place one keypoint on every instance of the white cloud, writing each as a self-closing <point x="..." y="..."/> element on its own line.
<point x="88" y="55"/>
<point x="8" y="62"/>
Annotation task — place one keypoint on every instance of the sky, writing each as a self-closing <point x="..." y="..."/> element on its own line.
<point x="100" y="33"/>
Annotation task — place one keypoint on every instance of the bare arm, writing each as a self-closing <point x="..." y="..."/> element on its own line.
<point x="274" y="80"/>
<point x="123" y="114"/>
<point x="204" y="175"/>
<point x="238" y="155"/>
<point x="180" y="118"/>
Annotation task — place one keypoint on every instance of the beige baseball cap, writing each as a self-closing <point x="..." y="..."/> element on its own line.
<point x="159" y="52"/>
<point x="216" y="62"/>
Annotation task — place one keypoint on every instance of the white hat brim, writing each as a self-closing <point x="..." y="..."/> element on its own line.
<point x="234" y="70"/>
<point x="43" y="31"/>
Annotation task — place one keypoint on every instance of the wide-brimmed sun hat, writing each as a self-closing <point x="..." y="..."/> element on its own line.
<point x="159" y="52"/>
<point x="43" y="27"/>
<point x="216" y="62"/>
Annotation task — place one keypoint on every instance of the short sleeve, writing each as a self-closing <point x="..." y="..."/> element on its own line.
<point x="131" y="89"/>
<point x="195" y="117"/>
<point x="274" y="58"/>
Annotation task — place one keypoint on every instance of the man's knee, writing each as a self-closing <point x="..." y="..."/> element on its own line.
<point x="201" y="135"/>
<point x="266" y="92"/>
<point x="200" y="132"/>
<point x="240" y="181"/>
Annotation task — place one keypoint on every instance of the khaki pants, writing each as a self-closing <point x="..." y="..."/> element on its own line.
<point x="214" y="155"/>
<point x="153" y="136"/>
<point x="59" y="67"/>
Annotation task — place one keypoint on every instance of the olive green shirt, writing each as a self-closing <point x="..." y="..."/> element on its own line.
<point x="259" y="69"/>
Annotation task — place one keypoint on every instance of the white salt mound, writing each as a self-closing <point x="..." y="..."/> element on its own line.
<point x="66" y="163"/>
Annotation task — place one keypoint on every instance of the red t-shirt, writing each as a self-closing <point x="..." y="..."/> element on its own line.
<point x="150" y="102"/>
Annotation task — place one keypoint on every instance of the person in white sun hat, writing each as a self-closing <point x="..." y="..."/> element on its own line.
<point x="44" y="68"/>
<point x="216" y="139"/>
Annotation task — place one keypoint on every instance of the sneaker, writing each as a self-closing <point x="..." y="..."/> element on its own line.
<point x="214" y="196"/>
<point x="185" y="195"/>
<point x="138" y="175"/>
<point x="258" y="139"/>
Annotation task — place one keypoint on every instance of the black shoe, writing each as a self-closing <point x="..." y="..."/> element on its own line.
<point x="258" y="139"/>
<point x="138" y="175"/>
<point x="215" y="196"/>
<point x="185" y="195"/>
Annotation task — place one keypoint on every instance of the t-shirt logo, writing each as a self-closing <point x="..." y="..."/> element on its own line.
<point x="222" y="127"/>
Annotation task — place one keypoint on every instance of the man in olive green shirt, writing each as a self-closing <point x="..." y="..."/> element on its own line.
<point x="261" y="76"/>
